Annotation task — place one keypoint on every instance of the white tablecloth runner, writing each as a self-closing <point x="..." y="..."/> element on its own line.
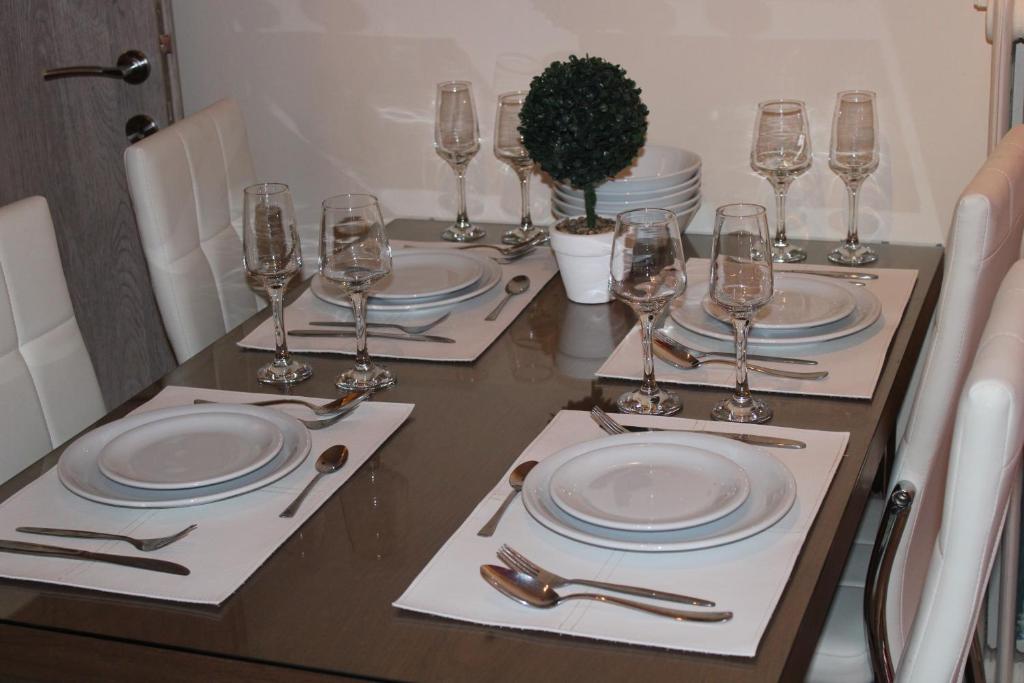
<point x="466" y="323"/>
<point x="747" y="577"/>
<point x="854" y="363"/>
<point x="235" y="536"/>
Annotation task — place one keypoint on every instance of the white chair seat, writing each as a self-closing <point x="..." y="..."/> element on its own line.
<point x="842" y="655"/>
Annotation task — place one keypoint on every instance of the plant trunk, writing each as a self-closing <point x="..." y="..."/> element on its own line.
<point x="589" y="201"/>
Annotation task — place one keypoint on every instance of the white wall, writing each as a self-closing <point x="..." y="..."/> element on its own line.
<point x="338" y="95"/>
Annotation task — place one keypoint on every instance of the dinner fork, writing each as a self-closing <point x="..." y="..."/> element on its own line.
<point x="698" y="353"/>
<point x="408" y="329"/>
<point x="143" y="544"/>
<point x="610" y="426"/>
<point x="516" y="560"/>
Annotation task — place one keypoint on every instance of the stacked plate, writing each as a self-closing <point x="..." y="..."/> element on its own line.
<point x="186" y="455"/>
<point x="805" y="309"/>
<point x="659" y="491"/>
<point x="660" y="178"/>
<point x="423" y="278"/>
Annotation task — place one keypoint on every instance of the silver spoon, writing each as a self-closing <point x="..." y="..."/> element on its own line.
<point x="515" y="480"/>
<point x="527" y="590"/>
<point x="517" y="285"/>
<point x="329" y="461"/>
<point x="686" y="361"/>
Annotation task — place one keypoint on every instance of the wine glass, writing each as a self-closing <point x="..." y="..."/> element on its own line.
<point x="741" y="282"/>
<point x="272" y="254"/>
<point x="508" y="147"/>
<point x="781" y="151"/>
<point x="853" y="157"/>
<point x="457" y="140"/>
<point x="354" y="253"/>
<point x="647" y="271"/>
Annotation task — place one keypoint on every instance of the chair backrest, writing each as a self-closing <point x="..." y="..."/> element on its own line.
<point x="984" y="242"/>
<point x="984" y="468"/>
<point x="186" y="184"/>
<point x="48" y="388"/>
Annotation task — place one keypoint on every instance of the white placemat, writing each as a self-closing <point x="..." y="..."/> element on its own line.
<point x="746" y="577"/>
<point x="854" y="362"/>
<point x="466" y="324"/>
<point x="235" y="536"/>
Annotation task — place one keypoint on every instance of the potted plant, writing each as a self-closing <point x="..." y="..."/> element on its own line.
<point x="583" y="122"/>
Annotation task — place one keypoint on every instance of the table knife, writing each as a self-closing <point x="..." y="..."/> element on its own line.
<point x="842" y="275"/>
<point x="76" y="554"/>
<point x="381" y="335"/>
<point x="752" y="439"/>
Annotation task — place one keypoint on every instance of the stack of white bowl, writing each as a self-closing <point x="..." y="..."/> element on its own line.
<point x="660" y="178"/>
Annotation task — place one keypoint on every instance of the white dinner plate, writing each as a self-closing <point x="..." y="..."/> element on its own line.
<point x="649" y="486"/>
<point x="192" y="450"/>
<point x="330" y="292"/>
<point x="688" y="311"/>
<point x="772" y="492"/>
<point x="79" y="472"/>
<point x="799" y="301"/>
<point x="427" y="273"/>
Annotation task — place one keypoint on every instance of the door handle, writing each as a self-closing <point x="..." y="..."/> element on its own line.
<point x="140" y="126"/>
<point x="132" y="67"/>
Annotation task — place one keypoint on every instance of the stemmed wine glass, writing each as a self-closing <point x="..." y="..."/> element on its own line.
<point x="508" y="147"/>
<point x="781" y="151"/>
<point x="647" y="272"/>
<point x="272" y="254"/>
<point x="457" y="140"/>
<point x="741" y="282"/>
<point x="354" y="254"/>
<point x="853" y="157"/>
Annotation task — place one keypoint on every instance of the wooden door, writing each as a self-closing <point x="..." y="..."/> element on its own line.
<point x="64" y="139"/>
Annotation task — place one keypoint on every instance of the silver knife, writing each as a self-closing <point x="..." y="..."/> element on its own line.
<point x="76" y="554"/>
<point x="842" y="275"/>
<point x="752" y="439"/>
<point x="381" y="335"/>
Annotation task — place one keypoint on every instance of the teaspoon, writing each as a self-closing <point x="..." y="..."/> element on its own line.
<point x="529" y="591"/>
<point x="517" y="285"/>
<point x="329" y="461"/>
<point x="515" y="480"/>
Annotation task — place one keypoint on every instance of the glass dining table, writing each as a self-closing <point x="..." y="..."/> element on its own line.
<point x="320" y="609"/>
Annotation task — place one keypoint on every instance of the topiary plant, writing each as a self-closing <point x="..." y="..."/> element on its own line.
<point x="583" y="122"/>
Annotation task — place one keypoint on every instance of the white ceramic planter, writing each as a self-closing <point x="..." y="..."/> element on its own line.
<point x="584" y="263"/>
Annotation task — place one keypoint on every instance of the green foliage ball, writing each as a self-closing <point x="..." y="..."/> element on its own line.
<point x="583" y="120"/>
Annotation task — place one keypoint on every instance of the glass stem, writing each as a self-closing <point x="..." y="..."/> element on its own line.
<point x="363" y="361"/>
<point x="852" y="194"/>
<point x="275" y="290"/>
<point x="525" y="222"/>
<point x="780" y="216"/>
<point x="648" y="386"/>
<point x="740" y="327"/>
<point x="462" y="219"/>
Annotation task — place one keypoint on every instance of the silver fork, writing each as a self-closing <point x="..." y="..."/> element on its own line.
<point x="408" y="329"/>
<point x="330" y="409"/>
<point x="143" y="544"/>
<point x="516" y="560"/>
<point x="699" y="353"/>
<point x="606" y="423"/>
<point x="317" y="424"/>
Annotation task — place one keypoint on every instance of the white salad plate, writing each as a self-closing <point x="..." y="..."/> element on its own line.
<point x="192" y="450"/>
<point x="427" y="273"/>
<point x="331" y="293"/>
<point x="80" y="473"/>
<point x="649" y="486"/>
<point x="772" y="493"/>
<point x="688" y="311"/>
<point x="799" y="301"/>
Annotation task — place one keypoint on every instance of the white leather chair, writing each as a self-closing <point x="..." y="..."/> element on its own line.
<point x="48" y="388"/>
<point x="984" y="241"/>
<point x="186" y="184"/>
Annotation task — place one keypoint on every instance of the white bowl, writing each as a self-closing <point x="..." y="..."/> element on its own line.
<point x="611" y="209"/>
<point x="609" y="191"/>
<point x="655" y="168"/>
<point x="656" y="198"/>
